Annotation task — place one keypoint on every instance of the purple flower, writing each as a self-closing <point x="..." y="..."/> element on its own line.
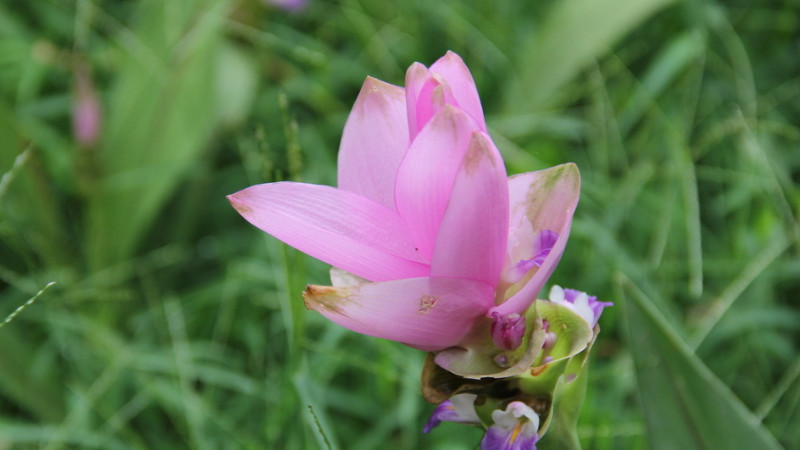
<point x="460" y="408"/>
<point x="514" y="429"/>
<point x="507" y="331"/>
<point x="584" y="305"/>
<point x="542" y="244"/>
<point x="428" y="236"/>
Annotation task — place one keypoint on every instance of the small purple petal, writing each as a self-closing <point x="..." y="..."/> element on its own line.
<point x="543" y="242"/>
<point x="584" y="305"/>
<point x="508" y="330"/>
<point x="496" y="439"/>
<point x="514" y="429"/>
<point x="459" y="409"/>
<point x="523" y="266"/>
<point x="571" y="295"/>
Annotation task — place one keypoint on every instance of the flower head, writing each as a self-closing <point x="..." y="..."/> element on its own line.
<point x="430" y="241"/>
<point x="584" y="305"/>
<point x="513" y="429"/>
<point x="458" y="409"/>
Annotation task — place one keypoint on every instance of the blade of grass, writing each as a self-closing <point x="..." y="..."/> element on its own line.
<point x="30" y="301"/>
<point x="574" y="34"/>
<point x="734" y="290"/>
<point x="193" y="408"/>
<point x="158" y="125"/>
<point x="39" y="396"/>
<point x="791" y="375"/>
<point x="677" y="55"/>
<point x="686" y="406"/>
<point x="694" y="246"/>
<point x="19" y="161"/>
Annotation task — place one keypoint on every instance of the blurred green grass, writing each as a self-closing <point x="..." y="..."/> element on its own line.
<point x="173" y="323"/>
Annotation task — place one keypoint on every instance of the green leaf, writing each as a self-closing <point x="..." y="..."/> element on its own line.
<point x="685" y="405"/>
<point x="237" y="83"/>
<point x="574" y="34"/>
<point x="574" y="334"/>
<point x="562" y="380"/>
<point x="672" y="61"/>
<point x="29" y="210"/>
<point x="161" y="116"/>
<point x="36" y="392"/>
<point x="567" y="402"/>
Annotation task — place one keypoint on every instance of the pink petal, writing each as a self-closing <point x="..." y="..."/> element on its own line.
<point x="425" y="313"/>
<point x="341" y="278"/>
<point x="343" y="229"/>
<point x="417" y="77"/>
<point x="543" y="200"/>
<point x="452" y="68"/>
<point x="471" y="242"/>
<point x="426" y="94"/>
<point x="431" y="100"/>
<point x="374" y="141"/>
<point x="427" y="173"/>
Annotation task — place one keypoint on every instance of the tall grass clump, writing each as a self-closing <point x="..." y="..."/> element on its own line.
<point x="172" y="323"/>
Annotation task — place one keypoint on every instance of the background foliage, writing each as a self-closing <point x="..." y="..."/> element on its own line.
<point x="173" y="323"/>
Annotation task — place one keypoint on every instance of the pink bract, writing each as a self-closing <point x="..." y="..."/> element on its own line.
<point x="425" y="216"/>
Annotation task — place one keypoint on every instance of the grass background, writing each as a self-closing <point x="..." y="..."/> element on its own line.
<point x="172" y="323"/>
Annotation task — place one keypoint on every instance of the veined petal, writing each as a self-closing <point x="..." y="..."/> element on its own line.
<point x="426" y="313"/>
<point x="452" y="68"/>
<point x="471" y="241"/>
<point x="374" y="141"/>
<point x="426" y="176"/>
<point x="543" y="200"/>
<point x="341" y="228"/>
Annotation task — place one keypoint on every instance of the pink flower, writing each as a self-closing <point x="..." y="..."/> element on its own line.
<point x="430" y="241"/>
<point x="86" y="110"/>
